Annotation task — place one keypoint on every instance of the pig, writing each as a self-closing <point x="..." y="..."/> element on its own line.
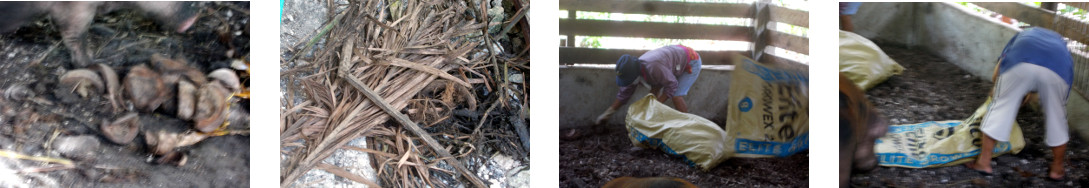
<point x="859" y="127"/>
<point x="73" y="19"/>
<point x="656" y="182"/>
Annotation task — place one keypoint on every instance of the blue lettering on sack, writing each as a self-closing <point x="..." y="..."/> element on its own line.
<point x="778" y="149"/>
<point x="775" y="75"/>
<point x="901" y="159"/>
<point x="895" y="129"/>
<point x="745" y="105"/>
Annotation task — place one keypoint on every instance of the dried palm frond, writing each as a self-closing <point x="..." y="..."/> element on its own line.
<point x="397" y="50"/>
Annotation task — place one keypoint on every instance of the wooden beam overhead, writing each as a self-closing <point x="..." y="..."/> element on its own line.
<point x="659" y="7"/>
<point x="653" y="30"/>
<point x="570" y="56"/>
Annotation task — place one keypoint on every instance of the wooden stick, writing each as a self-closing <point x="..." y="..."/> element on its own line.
<point x="344" y="173"/>
<point x="443" y="153"/>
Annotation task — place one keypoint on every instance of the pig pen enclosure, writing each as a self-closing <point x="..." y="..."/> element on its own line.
<point x="948" y="51"/>
<point x="397" y="93"/>
<point x="52" y="138"/>
<point x="596" y="33"/>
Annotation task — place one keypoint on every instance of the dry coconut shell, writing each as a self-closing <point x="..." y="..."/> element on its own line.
<point x="228" y="78"/>
<point x="187" y="100"/>
<point x="163" y="142"/>
<point x="122" y="130"/>
<point x="82" y="82"/>
<point x="113" y="84"/>
<point x="212" y="106"/>
<point x="173" y="67"/>
<point x="144" y="88"/>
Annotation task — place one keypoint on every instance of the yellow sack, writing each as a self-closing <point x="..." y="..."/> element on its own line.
<point x="698" y="141"/>
<point x="863" y="62"/>
<point x="940" y="143"/>
<point x="768" y="111"/>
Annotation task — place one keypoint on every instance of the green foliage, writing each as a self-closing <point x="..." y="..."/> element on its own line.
<point x="590" y="42"/>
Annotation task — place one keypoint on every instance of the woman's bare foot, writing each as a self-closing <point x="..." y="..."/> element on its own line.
<point x="1056" y="173"/>
<point x="984" y="169"/>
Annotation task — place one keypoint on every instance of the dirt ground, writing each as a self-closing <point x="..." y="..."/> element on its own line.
<point x="34" y="58"/>
<point x="600" y="154"/>
<point x="931" y="89"/>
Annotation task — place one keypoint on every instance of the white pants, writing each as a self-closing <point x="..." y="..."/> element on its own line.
<point x="1012" y="86"/>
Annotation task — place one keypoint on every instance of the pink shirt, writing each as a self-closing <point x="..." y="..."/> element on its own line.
<point x="661" y="67"/>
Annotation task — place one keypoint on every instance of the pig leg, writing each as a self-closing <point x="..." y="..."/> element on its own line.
<point x="73" y="21"/>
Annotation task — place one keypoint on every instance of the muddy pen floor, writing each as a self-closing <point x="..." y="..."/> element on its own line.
<point x="50" y="139"/>
<point x="595" y="155"/>
<point x="931" y="89"/>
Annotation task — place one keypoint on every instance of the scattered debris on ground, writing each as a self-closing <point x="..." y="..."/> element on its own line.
<point x="599" y="154"/>
<point x="931" y="89"/>
<point x="440" y="91"/>
<point x="93" y="135"/>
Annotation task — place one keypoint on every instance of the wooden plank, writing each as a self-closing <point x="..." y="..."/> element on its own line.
<point x="1081" y="5"/>
<point x="1069" y="28"/>
<point x="570" y="56"/>
<point x="570" y="38"/>
<point x="1081" y="72"/>
<point x="760" y="29"/>
<point x="771" y="59"/>
<point x="789" y="16"/>
<point x="789" y="42"/>
<point x="658" y="8"/>
<point x="653" y="30"/>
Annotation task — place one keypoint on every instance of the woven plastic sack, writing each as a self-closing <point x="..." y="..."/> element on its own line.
<point x="940" y="143"/>
<point x="863" y="62"/>
<point x="698" y="141"/>
<point x="768" y="112"/>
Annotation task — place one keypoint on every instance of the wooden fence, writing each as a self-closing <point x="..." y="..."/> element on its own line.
<point x="762" y="13"/>
<point x="1075" y="30"/>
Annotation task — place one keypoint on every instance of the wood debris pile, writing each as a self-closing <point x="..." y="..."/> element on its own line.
<point x="392" y="71"/>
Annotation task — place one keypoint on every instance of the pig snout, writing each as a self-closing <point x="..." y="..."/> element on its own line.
<point x="186" y="24"/>
<point x="176" y="16"/>
<point x="860" y="126"/>
<point x="876" y="126"/>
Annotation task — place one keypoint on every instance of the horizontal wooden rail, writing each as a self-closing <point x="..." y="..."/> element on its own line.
<point x="659" y="7"/>
<point x="776" y="60"/>
<point x="789" y="16"/>
<point x="570" y="56"/>
<point x="653" y="30"/>
<point x="789" y="42"/>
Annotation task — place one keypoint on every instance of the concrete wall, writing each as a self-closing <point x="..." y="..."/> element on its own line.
<point x="970" y="41"/>
<point x="585" y="92"/>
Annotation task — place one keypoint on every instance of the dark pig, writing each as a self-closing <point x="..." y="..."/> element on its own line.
<point x="74" y="18"/>
<point x="859" y="126"/>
